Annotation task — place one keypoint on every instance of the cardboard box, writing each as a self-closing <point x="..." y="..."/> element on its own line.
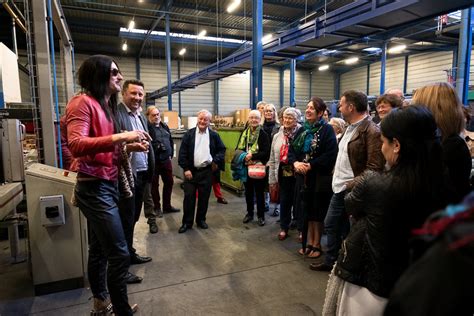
<point x="171" y="118"/>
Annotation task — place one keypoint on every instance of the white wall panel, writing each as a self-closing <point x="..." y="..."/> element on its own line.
<point x="193" y="100"/>
<point x="427" y="68"/>
<point x="271" y="86"/>
<point x="355" y="79"/>
<point x="234" y="93"/>
<point x="374" y="79"/>
<point x="322" y="85"/>
<point x="394" y="73"/>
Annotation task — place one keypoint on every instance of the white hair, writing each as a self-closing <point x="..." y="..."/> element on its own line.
<point x="256" y="112"/>
<point x="205" y="112"/>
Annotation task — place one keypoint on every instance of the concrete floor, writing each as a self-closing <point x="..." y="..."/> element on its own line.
<point x="229" y="269"/>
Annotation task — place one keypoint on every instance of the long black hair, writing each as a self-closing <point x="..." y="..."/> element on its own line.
<point x="93" y="77"/>
<point x="419" y="172"/>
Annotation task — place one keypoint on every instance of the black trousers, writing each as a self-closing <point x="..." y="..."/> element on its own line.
<point x="130" y="209"/>
<point x="201" y="183"/>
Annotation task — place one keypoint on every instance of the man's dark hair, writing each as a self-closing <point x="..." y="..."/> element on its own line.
<point x="357" y="98"/>
<point x="134" y="82"/>
<point x="93" y="77"/>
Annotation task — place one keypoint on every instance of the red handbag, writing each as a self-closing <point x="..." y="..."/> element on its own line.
<point x="275" y="193"/>
<point x="256" y="170"/>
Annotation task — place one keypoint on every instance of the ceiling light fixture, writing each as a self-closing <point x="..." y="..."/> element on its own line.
<point x="182" y="51"/>
<point x="323" y="67"/>
<point x="397" y="49"/>
<point x="131" y="24"/>
<point x="234" y="5"/>
<point x="350" y="61"/>
<point x="202" y="33"/>
<point x="124" y="46"/>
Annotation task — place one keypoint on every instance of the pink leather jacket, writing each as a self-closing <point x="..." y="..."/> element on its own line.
<point x="89" y="135"/>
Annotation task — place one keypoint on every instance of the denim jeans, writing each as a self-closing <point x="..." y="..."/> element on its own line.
<point x="109" y="258"/>
<point x="255" y="188"/>
<point x="336" y="225"/>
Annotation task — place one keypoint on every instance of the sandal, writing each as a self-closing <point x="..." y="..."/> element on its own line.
<point x="307" y="251"/>
<point x="315" y="253"/>
<point x="283" y="235"/>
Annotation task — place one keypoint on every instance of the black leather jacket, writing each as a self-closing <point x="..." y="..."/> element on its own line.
<point x="376" y="251"/>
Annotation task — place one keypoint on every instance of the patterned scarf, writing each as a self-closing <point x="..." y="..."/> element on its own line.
<point x="249" y="138"/>
<point x="288" y="135"/>
<point x="306" y="142"/>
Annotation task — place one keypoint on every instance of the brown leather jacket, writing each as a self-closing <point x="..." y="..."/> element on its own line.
<point x="364" y="150"/>
<point x="89" y="136"/>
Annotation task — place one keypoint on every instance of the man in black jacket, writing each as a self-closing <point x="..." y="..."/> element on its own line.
<point x="129" y="118"/>
<point x="163" y="148"/>
<point x="201" y="153"/>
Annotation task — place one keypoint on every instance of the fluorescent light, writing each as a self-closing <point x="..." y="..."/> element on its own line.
<point x="182" y="51"/>
<point x="323" y="67"/>
<point x="124" y="32"/>
<point x="267" y="38"/>
<point x="372" y="50"/>
<point x="131" y="25"/>
<point x="202" y="33"/>
<point x="234" y="5"/>
<point x="350" y="61"/>
<point x="397" y="49"/>
<point x="124" y="46"/>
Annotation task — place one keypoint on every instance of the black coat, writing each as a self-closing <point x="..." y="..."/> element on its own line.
<point x="123" y="119"/>
<point x="264" y="146"/>
<point x="322" y="161"/>
<point x="155" y="143"/>
<point x="186" y="151"/>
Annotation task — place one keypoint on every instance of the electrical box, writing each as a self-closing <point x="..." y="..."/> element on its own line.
<point x="57" y="230"/>
<point x="52" y="210"/>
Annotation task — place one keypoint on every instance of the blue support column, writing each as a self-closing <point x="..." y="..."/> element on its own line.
<point x="257" y="52"/>
<point x="282" y="87"/>
<point x="383" y="64"/>
<point x="310" y="85"/>
<point x="216" y="97"/>
<point x="292" y="82"/>
<point x="337" y="86"/>
<point x="367" y="84"/>
<point x="55" y="85"/>
<point x="168" y="61"/>
<point x="137" y="67"/>
<point x="179" y="93"/>
<point x="464" y="55"/>
<point x="405" y="75"/>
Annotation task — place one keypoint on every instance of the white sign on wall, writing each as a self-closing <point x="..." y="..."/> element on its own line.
<point x="9" y="76"/>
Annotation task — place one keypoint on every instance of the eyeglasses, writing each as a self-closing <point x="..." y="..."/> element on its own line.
<point x="157" y="114"/>
<point x="115" y="72"/>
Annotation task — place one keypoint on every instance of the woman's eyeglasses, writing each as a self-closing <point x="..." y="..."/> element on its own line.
<point x="115" y="72"/>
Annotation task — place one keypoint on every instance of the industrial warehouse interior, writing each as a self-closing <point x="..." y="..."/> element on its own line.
<point x="224" y="57"/>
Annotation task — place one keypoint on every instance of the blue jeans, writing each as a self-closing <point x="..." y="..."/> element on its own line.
<point x="108" y="252"/>
<point x="336" y="225"/>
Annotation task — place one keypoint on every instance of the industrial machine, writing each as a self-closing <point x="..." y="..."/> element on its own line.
<point x="58" y="230"/>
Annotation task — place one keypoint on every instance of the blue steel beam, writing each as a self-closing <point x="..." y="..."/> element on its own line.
<point x="383" y="64"/>
<point x="357" y="12"/>
<point x="464" y="55"/>
<point x="257" y="53"/>
<point x="168" y="62"/>
<point x="292" y="82"/>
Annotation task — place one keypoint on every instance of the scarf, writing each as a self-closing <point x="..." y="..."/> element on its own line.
<point x="288" y="135"/>
<point x="249" y="137"/>
<point x="306" y="142"/>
